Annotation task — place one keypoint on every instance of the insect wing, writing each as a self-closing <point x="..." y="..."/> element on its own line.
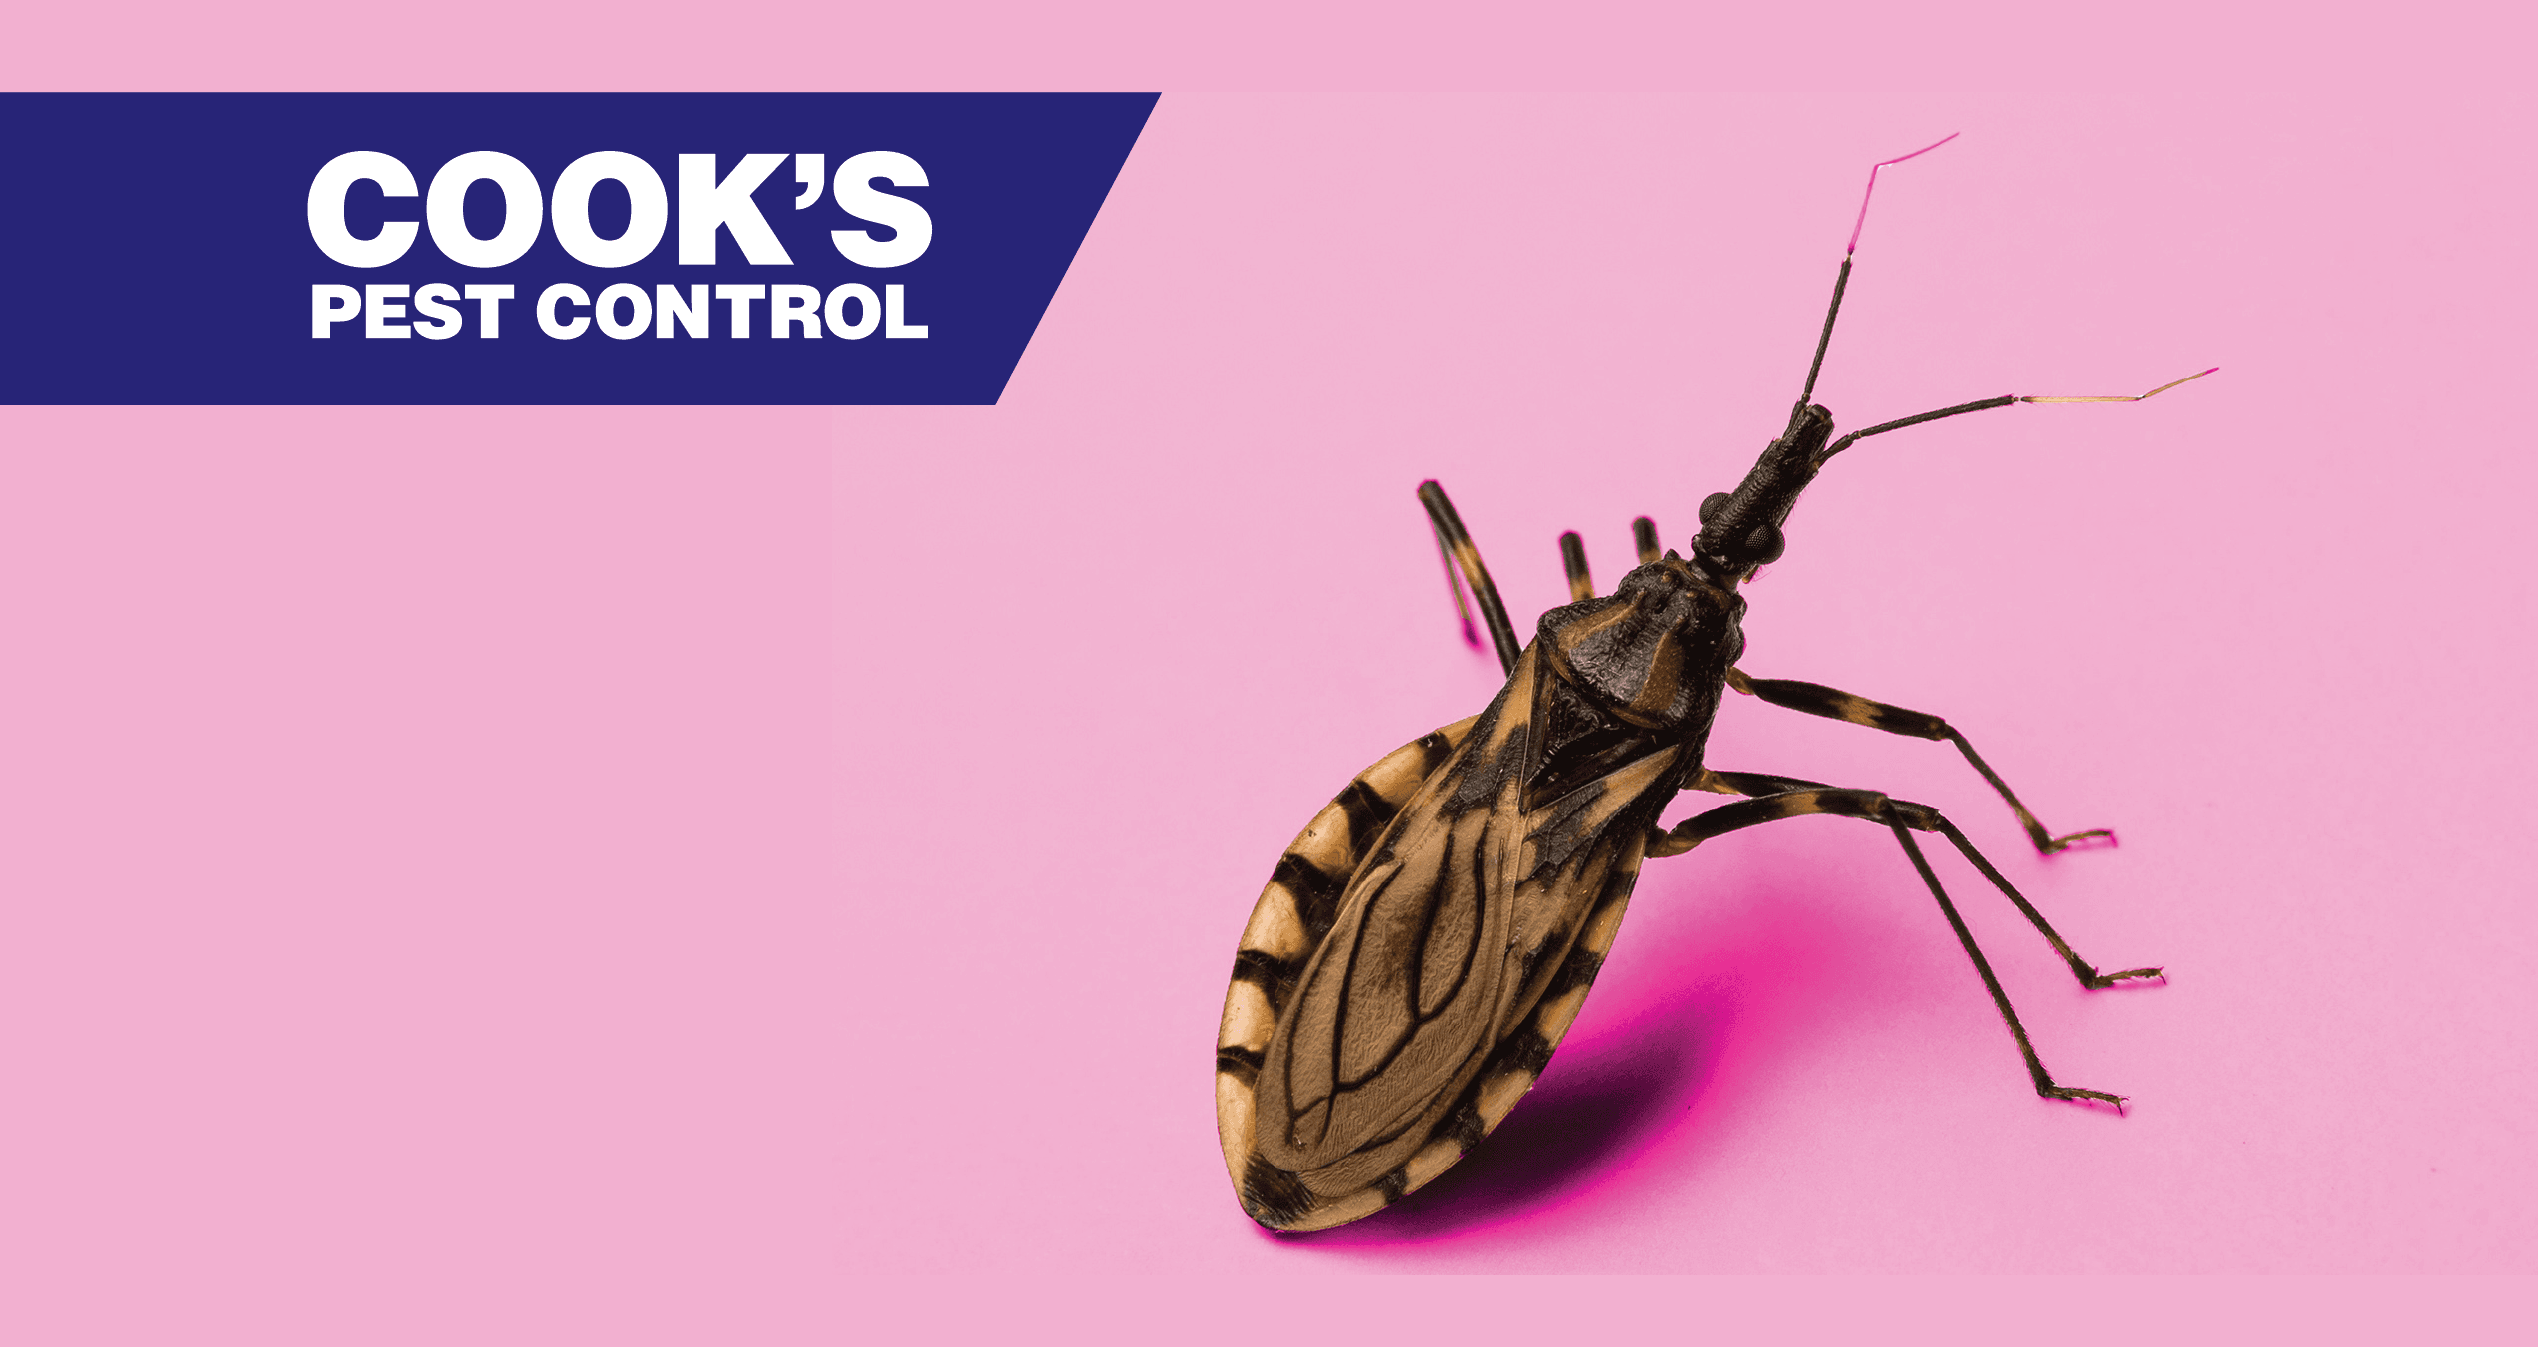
<point x="1399" y="1005"/>
<point x="1454" y="954"/>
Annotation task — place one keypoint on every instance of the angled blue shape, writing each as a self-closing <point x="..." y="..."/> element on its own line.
<point x="160" y="252"/>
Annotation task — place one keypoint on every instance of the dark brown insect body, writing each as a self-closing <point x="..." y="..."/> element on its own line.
<point x="1427" y="940"/>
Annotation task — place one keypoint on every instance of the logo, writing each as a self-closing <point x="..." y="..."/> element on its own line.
<point x="621" y="248"/>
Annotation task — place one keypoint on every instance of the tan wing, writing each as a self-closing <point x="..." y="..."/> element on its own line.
<point x="1397" y="1007"/>
<point x="1405" y="1033"/>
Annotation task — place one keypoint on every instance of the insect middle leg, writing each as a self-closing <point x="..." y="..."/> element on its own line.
<point x="1573" y="564"/>
<point x="1463" y="564"/>
<point x="1643" y="534"/>
<point x="1904" y="819"/>
<point x="1817" y="700"/>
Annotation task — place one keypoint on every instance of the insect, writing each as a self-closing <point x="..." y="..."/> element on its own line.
<point x="1427" y="940"/>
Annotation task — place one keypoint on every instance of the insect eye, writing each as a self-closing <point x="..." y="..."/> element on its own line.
<point x="1764" y="544"/>
<point x="1711" y="504"/>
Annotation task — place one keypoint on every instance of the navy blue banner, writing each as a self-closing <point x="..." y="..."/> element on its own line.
<point x="540" y="248"/>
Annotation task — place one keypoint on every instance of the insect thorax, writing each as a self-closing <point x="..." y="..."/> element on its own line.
<point x="1655" y="652"/>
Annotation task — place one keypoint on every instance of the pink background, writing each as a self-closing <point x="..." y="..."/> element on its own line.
<point x="626" y="875"/>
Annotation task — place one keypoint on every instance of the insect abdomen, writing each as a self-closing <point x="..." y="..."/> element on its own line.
<point x="1295" y="912"/>
<point x="1293" y="917"/>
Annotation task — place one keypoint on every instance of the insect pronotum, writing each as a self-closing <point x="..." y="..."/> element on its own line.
<point x="1426" y="941"/>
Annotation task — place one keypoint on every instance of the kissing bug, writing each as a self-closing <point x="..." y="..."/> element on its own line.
<point x="1427" y="940"/>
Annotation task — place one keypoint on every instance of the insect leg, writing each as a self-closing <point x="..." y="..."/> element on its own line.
<point x="1991" y="982"/>
<point x="1573" y="561"/>
<point x="1817" y="700"/>
<point x="1905" y="818"/>
<point x="1808" y="798"/>
<point x="1749" y="783"/>
<point x="1457" y="546"/>
<point x="1643" y="535"/>
<point x="1454" y="586"/>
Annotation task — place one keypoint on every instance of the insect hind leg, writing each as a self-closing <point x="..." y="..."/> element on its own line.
<point x="2045" y="1085"/>
<point x="1749" y="783"/>
<point x="1904" y="819"/>
<point x="1834" y="704"/>
<point x="1463" y="564"/>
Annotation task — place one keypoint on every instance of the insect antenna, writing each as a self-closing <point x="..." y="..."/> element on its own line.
<point x="2131" y="397"/>
<point x="1643" y="535"/>
<point x="1987" y="404"/>
<point x="1842" y="279"/>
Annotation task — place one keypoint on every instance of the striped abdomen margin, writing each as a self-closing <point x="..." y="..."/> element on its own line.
<point x="1294" y="914"/>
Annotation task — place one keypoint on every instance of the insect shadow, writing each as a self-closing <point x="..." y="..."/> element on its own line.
<point x="1602" y="1099"/>
<point x="1618" y="1085"/>
<point x="1774" y="952"/>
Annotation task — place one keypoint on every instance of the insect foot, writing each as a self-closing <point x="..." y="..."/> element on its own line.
<point x="2079" y="1096"/>
<point x="2053" y="845"/>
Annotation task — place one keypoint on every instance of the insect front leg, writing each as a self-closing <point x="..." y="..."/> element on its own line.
<point x="1903" y="818"/>
<point x="1463" y="564"/>
<point x="1834" y="704"/>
